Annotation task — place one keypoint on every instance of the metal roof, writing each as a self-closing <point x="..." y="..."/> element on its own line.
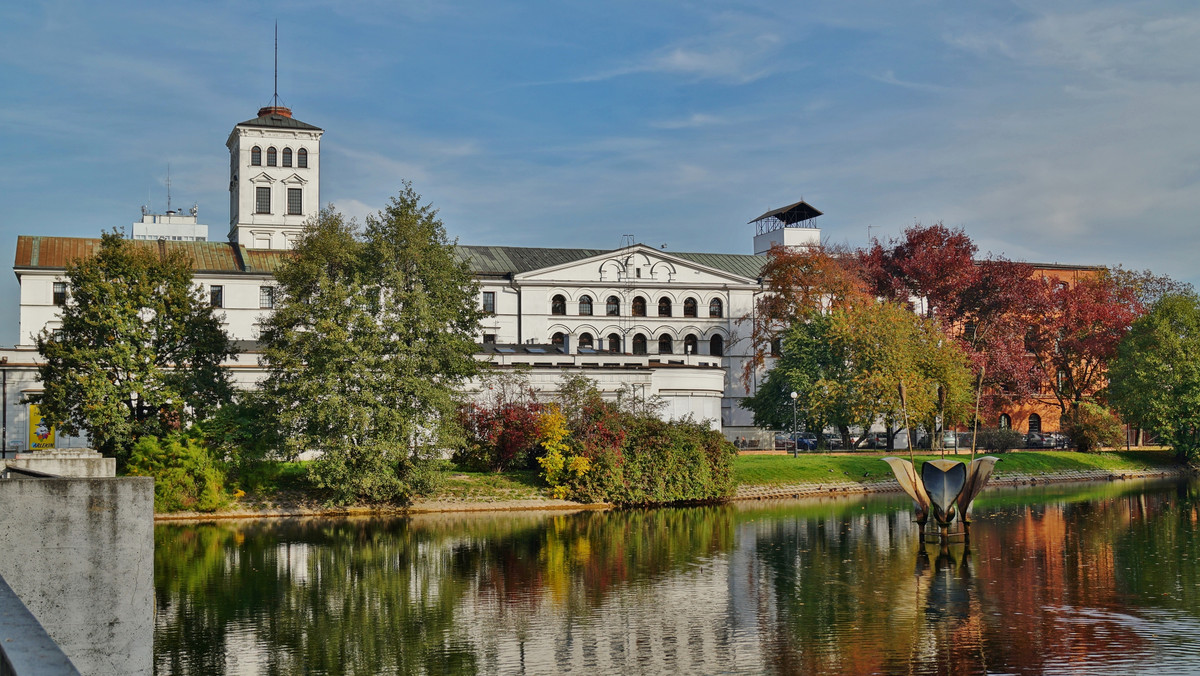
<point x="57" y="252"/>
<point x="278" y="121"/>
<point x="505" y="260"/>
<point x="792" y="213"/>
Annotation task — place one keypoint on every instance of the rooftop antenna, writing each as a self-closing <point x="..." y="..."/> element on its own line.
<point x="626" y="241"/>
<point x="275" y="99"/>
<point x="168" y="187"/>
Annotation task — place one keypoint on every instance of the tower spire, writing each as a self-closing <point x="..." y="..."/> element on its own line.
<point x="275" y="98"/>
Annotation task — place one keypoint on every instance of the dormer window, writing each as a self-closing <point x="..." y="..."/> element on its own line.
<point x="271" y="156"/>
<point x="302" y="158"/>
<point x="287" y="157"/>
<point x="256" y="156"/>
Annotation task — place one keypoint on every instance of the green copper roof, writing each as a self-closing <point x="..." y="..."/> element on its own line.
<point x="505" y="260"/>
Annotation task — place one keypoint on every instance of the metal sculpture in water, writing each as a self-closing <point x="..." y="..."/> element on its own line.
<point x="945" y="488"/>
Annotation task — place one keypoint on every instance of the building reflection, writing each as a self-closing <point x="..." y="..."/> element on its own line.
<point x="1050" y="582"/>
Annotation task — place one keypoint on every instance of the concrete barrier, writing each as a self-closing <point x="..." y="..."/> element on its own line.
<point x="80" y="554"/>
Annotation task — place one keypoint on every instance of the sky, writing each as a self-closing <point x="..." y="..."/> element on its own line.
<point x="1049" y="130"/>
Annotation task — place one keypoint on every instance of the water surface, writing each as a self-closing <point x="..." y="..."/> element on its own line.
<point x="1088" y="579"/>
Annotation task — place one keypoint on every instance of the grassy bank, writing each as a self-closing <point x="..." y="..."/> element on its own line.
<point x="767" y="470"/>
<point x="282" y="484"/>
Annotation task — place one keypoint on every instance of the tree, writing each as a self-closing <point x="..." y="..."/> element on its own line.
<point x="800" y="283"/>
<point x="1154" y="381"/>
<point x="138" y="353"/>
<point x="1079" y="334"/>
<point x="846" y="367"/>
<point x="368" y="347"/>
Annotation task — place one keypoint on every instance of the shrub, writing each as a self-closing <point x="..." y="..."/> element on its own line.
<point x="498" y="437"/>
<point x="1091" y="426"/>
<point x="1000" y="440"/>
<point x="186" y="478"/>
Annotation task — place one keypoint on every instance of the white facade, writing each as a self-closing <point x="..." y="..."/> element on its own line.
<point x="274" y="178"/>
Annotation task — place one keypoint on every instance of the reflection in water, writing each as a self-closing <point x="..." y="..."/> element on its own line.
<point x="1094" y="579"/>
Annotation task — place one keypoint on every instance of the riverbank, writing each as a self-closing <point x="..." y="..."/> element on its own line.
<point x="759" y="477"/>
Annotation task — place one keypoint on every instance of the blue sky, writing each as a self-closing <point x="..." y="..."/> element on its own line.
<point x="1050" y="130"/>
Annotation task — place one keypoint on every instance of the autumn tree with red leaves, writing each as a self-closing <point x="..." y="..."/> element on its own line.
<point x="800" y="282"/>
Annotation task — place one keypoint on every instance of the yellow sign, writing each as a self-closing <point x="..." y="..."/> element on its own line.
<point x="41" y="432"/>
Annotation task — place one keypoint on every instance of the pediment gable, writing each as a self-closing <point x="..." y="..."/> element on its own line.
<point x="294" y="179"/>
<point x="263" y="177"/>
<point x="637" y="264"/>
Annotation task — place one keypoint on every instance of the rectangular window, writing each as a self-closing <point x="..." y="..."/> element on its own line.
<point x="294" y="202"/>
<point x="262" y="200"/>
<point x="216" y="295"/>
<point x="489" y="339"/>
<point x="60" y="293"/>
<point x="489" y="302"/>
<point x="266" y="297"/>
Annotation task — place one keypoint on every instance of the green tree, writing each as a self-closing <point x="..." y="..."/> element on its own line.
<point x="1154" y="382"/>
<point x="367" y="348"/>
<point x="138" y="353"/>
<point x="846" y="366"/>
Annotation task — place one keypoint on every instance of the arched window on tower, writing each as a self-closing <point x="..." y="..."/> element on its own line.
<point x="691" y="345"/>
<point x="639" y="307"/>
<point x="689" y="307"/>
<point x="614" y="342"/>
<point x="585" y="340"/>
<point x="287" y="157"/>
<point x="271" y="156"/>
<point x="716" y="346"/>
<point x="665" y="344"/>
<point x="557" y="339"/>
<point x="664" y="307"/>
<point x="716" y="308"/>
<point x="613" y="307"/>
<point x="256" y="156"/>
<point x="1035" y="423"/>
<point x="585" y="305"/>
<point x="558" y="305"/>
<point x="302" y="158"/>
<point x="639" y="344"/>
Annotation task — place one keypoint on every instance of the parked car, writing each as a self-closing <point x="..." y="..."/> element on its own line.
<point x="1038" y="440"/>
<point x="806" y="441"/>
<point x="783" y="442"/>
<point x="833" y="441"/>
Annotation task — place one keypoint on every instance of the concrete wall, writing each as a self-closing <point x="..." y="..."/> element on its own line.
<point x="80" y="554"/>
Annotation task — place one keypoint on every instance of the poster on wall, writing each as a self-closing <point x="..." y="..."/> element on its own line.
<point x="41" y="432"/>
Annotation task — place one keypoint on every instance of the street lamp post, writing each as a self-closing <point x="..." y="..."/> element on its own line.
<point x="795" y="441"/>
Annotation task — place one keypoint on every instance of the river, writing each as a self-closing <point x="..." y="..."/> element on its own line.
<point x="1078" y="579"/>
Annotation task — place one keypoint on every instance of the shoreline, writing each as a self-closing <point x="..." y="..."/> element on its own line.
<point x="443" y="505"/>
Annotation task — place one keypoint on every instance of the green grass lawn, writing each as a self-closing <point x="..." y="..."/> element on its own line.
<point x="819" y="468"/>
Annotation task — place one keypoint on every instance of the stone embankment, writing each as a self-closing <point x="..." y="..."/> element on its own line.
<point x="804" y="490"/>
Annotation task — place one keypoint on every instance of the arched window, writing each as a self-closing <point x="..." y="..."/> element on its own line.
<point x="557" y="339"/>
<point x="558" y="305"/>
<point x="585" y="305"/>
<point x="716" y="346"/>
<point x="613" y="307"/>
<point x="639" y="307"/>
<point x="256" y="156"/>
<point x="664" y="307"/>
<point x="271" y="156"/>
<point x="585" y="340"/>
<point x="639" y="344"/>
<point x="1005" y="421"/>
<point x="689" y="307"/>
<point x="1035" y="423"/>
<point x="665" y="344"/>
<point x="691" y="345"/>
<point x="716" y="308"/>
<point x="302" y="158"/>
<point x="614" y="342"/>
<point x="287" y="157"/>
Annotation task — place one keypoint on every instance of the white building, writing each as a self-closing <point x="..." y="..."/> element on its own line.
<point x="669" y="324"/>
<point x="172" y="226"/>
